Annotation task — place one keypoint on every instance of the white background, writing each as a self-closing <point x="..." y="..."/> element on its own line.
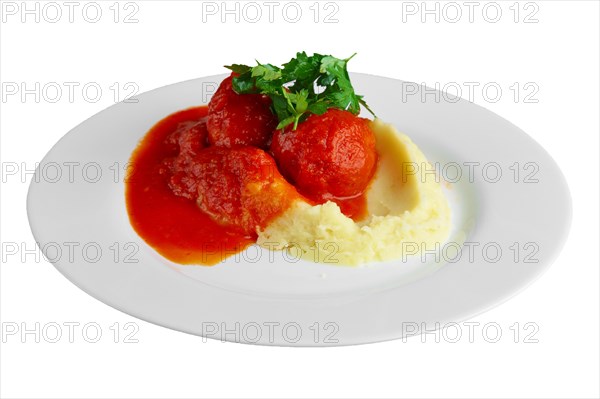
<point x="171" y="43"/>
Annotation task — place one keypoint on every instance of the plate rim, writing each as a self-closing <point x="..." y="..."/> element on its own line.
<point x="562" y="236"/>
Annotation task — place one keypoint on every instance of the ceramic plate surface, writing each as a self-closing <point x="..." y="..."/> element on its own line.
<point x="510" y="205"/>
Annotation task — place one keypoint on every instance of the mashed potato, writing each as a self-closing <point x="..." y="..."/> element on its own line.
<point x="406" y="209"/>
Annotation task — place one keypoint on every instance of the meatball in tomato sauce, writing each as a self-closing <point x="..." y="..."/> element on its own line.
<point x="188" y="138"/>
<point x="238" y="187"/>
<point x="328" y="156"/>
<point x="239" y="119"/>
<point x="183" y="145"/>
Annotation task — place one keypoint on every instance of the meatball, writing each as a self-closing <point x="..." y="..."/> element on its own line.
<point x="328" y="156"/>
<point x="239" y="119"/>
<point x="188" y="138"/>
<point x="239" y="187"/>
<point x="184" y="143"/>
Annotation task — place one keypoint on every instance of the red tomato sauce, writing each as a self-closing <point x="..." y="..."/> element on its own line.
<point x="173" y="225"/>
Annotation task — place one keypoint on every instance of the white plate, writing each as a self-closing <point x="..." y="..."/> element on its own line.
<point x="263" y="297"/>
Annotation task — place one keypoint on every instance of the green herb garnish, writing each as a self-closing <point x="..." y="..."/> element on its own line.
<point x="305" y="85"/>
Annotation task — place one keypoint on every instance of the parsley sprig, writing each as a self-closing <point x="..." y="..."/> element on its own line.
<point x="305" y="85"/>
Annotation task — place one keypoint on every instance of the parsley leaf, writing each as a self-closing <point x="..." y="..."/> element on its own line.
<point x="238" y="68"/>
<point x="305" y="85"/>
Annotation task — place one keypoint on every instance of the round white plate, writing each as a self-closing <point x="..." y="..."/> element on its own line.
<point x="511" y="212"/>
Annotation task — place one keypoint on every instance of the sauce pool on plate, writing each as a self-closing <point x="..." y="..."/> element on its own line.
<point x="174" y="225"/>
